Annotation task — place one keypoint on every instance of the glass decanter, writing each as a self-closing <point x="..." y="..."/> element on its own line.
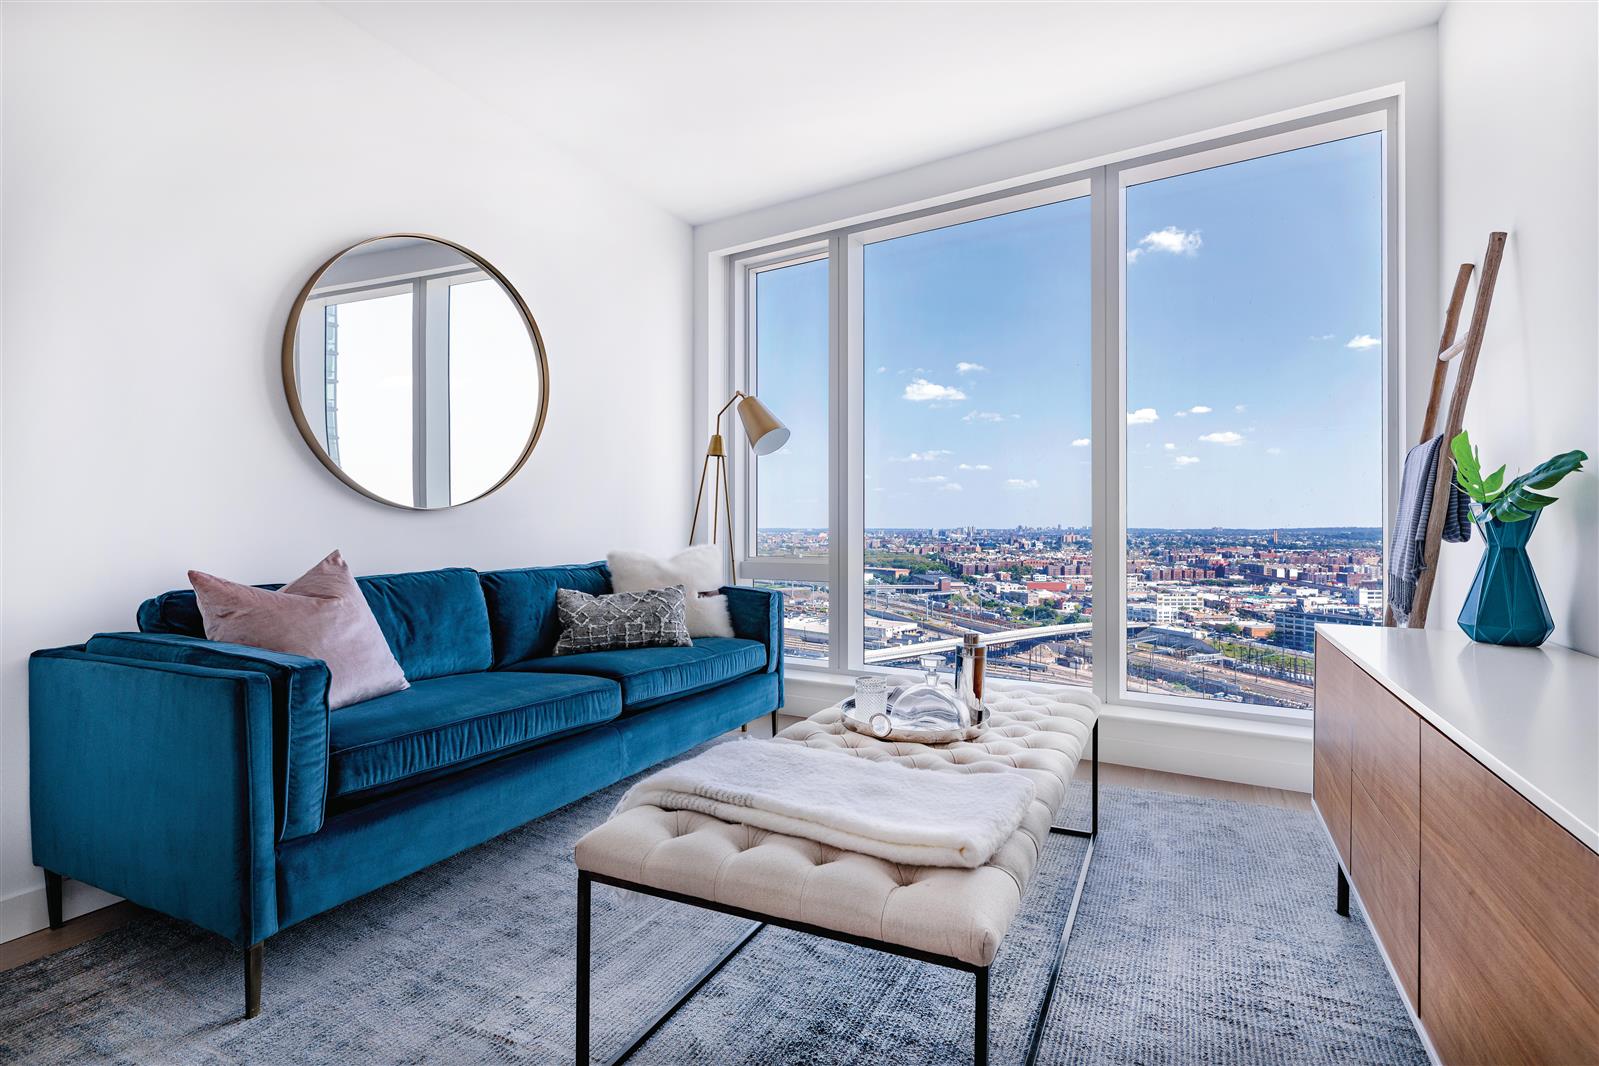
<point x="929" y="703"/>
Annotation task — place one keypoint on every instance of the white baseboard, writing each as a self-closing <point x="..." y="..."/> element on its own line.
<point x="1267" y="758"/>
<point x="25" y="912"/>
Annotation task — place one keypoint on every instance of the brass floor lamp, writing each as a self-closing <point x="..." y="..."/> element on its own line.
<point x="766" y="435"/>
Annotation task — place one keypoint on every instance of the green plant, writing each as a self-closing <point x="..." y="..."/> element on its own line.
<point x="1520" y="499"/>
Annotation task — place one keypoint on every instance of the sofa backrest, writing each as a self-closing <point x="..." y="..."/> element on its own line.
<point x="436" y="621"/>
<point x="522" y="606"/>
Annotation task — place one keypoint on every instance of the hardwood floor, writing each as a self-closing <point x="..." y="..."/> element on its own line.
<point x="76" y="931"/>
<point x="49" y="941"/>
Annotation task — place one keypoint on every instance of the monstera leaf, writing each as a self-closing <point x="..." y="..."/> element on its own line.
<point x="1520" y="499"/>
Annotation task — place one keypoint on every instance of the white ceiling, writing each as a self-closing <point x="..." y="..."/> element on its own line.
<point x="712" y="109"/>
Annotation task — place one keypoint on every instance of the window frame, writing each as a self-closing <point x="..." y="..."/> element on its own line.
<point x="744" y="468"/>
<point x="1106" y="184"/>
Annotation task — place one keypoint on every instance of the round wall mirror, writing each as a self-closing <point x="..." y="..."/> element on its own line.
<point x="415" y="372"/>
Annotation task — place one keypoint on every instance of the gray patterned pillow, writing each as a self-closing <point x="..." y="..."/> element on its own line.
<point x="650" y="619"/>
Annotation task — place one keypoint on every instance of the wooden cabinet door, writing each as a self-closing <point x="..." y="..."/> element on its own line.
<point x="1389" y="888"/>
<point x="1330" y="758"/>
<point x="1509" y="921"/>
<point x="1385" y="823"/>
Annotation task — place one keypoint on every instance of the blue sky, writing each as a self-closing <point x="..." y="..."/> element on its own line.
<point x="1254" y="366"/>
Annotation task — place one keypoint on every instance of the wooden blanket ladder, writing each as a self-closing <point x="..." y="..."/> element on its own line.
<point x="1448" y="351"/>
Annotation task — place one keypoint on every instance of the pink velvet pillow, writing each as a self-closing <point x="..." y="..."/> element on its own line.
<point x="321" y="615"/>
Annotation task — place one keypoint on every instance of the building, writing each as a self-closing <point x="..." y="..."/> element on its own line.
<point x="1296" y="628"/>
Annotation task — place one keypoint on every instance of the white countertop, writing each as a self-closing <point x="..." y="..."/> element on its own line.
<point x="1531" y="715"/>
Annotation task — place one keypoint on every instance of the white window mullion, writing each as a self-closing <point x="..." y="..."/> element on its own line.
<point x="1109" y="429"/>
<point x="433" y="398"/>
<point x="845" y="534"/>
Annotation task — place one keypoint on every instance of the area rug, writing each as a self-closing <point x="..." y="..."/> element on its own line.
<point x="1206" y="935"/>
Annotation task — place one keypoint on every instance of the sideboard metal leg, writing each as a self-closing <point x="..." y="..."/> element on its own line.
<point x="980" y="1036"/>
<point x="582" y="968"/>
<point x="52" y="897"/>
<point x="1343" y="893"/>
<point x="252" y="979"/>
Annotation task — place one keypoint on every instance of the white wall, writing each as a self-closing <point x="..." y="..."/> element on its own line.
<point x="1519" y="89"/>
<point x="172" y="176"/>
<point x="1276" y="756"/>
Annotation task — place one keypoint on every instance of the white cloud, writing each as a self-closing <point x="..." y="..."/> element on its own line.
<point x="1186" y="460"/>
<point x="929" y="456"/>
<point x="969" y="368"/>
<point x="931" y="479"/>
<point x="974" y="466"/>
<point x="1170" y="240"/>
<point x="953" y="486"/>
<point x="1142" y="417"/>
<point x="1361" y="341"/>
<point x="923" y="391"/>
<point x="1274" y="451"/>
<point x="1225" y="436"/>
<point x="1021" y="484"/>
<point x="882" y="370"/>
<point x="1082" y="442"/>
<point x="1199" y="409"/>
<point x="1323" y="337"/>
<point x="986" y="416"/>
<point x="1240" y="407"/>
<point x="1169" y="446"/>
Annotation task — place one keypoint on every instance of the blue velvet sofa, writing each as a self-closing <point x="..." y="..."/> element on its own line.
<point x="210" y="782"/>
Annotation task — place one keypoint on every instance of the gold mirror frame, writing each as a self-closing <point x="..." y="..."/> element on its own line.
<point x="292" y="392"/>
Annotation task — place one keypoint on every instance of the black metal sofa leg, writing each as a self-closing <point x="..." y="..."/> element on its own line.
<point x="252" y="979"/>
<point x="1343" y="893"/>
<point x="52" y="898"/>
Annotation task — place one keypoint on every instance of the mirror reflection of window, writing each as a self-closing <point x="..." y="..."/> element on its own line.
<point x="369" y="399"/>
<point x="415" y="372"/>
<point x="493" y="386"/>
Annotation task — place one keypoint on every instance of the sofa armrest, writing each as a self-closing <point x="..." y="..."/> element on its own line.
<point x="758" y="615"/>
<point x="153" y="780"/>
<point x="299" y="712"/>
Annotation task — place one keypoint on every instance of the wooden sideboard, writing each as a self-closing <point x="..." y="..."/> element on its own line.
<point x="1460" y="785"/>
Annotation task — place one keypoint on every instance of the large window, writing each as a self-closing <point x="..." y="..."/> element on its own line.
<point x="977" y="389"/>
<point x="1253" y="318"/>
<point x="1130" y="426"/>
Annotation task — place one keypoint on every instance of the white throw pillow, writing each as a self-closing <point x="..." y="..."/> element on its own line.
<point x="697" y="569"/>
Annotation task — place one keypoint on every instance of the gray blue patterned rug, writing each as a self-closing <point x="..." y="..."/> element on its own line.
<point x="1206" y="935"/>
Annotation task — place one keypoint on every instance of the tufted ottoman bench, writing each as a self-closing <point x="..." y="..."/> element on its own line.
<point x="952" y="917"/>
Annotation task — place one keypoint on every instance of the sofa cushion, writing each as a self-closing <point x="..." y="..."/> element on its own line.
<point x="521" y="606"/>
<point x="450" y="722"/>
<point x="436" y="621"/>
<point x="654" y="675"/>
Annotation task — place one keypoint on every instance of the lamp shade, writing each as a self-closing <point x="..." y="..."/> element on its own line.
<point x="766" y="434"/>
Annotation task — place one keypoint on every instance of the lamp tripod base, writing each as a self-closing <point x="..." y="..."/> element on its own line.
<point x="721" y="503"/>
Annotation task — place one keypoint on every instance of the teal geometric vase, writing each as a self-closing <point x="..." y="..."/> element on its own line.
<point x="1505" y="604"/>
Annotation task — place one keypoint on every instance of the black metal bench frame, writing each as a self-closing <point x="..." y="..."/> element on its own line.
<point x="586" y="880"/>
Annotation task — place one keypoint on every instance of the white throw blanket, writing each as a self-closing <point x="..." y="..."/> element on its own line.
<point x="902" y="814"/>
